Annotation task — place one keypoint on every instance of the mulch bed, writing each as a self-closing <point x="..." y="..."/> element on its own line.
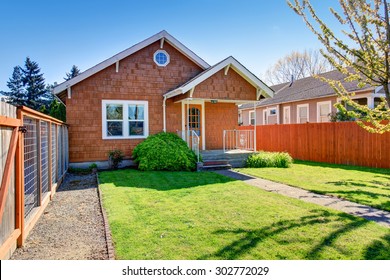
<point x="72" y="226"/>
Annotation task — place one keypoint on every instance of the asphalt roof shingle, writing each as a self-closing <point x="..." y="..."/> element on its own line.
<point x="304" y="89"/>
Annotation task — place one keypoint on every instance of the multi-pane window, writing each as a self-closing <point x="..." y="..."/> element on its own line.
<point x="303" y="113"/>
<point x="136" y="120"/>
<point x="286" y="115"/>
<point x="114" y="117"/>
<point x="161" y="58"/>
<point x="194" y="120"/>
<point x="252" y="117"/>
<point x="323" y="111"/>
<point x="124" y="119"/>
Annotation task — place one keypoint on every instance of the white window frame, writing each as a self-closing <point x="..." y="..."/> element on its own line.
<point x="125" y="121"/>
<point x="272" y="108"/>
<point x="250" y="117"/>
<point x="329" y="103"/>
<point x="306" y="105"/>
<point x="164" y="52"/>
<point x="289" y="114"/>
<point x="265" y="116"/>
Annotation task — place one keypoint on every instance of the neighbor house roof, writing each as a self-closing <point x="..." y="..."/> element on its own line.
<point x="305" y="89"/>
<point x="226" y="64"/>
<point x="163" y="35"/>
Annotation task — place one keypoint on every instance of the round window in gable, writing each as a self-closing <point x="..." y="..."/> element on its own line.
<point x="161" y="58"/>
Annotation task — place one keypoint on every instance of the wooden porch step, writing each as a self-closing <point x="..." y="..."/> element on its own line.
<point x="216" y="165"/>
<point x="214" y="162"/>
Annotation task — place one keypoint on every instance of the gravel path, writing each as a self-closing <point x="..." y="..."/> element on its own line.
<point x="71" y="227"/>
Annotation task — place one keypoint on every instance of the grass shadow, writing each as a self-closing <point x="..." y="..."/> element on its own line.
<point x="379" y="249"/>
<point x="161" y="180"/>
<point x="249" y="239"/>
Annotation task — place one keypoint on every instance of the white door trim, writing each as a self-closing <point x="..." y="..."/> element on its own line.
<point x="203" y="119"/>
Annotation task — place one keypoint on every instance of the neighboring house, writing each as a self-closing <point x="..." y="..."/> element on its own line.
<point x="156" y="85"/>
<point x="304" y="100"/>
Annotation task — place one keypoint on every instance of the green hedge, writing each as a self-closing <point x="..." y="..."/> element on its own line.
<point x="269" y="159"/>
<point x="164" y="151"/>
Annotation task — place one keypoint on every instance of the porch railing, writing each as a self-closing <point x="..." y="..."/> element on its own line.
<point x="238" y="140"/>
<point x="192" y="139"/>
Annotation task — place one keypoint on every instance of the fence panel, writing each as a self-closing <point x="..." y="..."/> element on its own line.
<point x="7" y="225"/>
<point x="41" y="161"/>
<point x="44" y="157"/>
<point x="53" y="153"/>
<point x="31" y="179"/>
<point x="340" y="143"/>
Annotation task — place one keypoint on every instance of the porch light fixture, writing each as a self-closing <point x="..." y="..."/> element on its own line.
<point x="214" y="101"/>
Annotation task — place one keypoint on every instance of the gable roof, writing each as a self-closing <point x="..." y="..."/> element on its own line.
<point x="306" y="88"/>
<point x="112" y="60"/>
<point x="229" y="62"/>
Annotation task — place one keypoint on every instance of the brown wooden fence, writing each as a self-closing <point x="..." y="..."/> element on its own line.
<point x="33" y="162"/>
<point x="340" y="143"/>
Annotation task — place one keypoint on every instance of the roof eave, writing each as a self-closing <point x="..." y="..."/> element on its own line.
<point x="112" y="60"/>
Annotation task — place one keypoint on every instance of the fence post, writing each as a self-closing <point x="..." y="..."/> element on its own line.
<point x="20" y="185"/>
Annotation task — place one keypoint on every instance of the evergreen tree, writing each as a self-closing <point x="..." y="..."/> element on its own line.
<point x="57" y="110"/>
<point x="16" y="95"/>
<point x="361" y="52"/>
<point x="74" y="71"/>
<point x="34" y="84"/>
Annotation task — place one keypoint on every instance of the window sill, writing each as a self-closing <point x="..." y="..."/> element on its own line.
<point x="124" y="138"/>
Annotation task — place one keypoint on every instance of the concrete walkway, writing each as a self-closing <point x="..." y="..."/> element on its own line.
<point x="367" y="212"/>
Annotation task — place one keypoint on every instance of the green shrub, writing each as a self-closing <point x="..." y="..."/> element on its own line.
<point x="269" y="159"/>
<point x="92" y="166"/>
<point x="115" y="157"/>
<point x="164" y="151"/>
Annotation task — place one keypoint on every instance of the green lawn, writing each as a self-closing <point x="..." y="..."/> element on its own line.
<point x="202" y="215"/>
<point x="369" y="186"/>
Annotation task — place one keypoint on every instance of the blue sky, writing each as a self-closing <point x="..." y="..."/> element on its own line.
<point x="58" y="34"/>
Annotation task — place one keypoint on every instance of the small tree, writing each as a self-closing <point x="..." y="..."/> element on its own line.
<point x="74" y="71"/>
<point x="363" y="55"/>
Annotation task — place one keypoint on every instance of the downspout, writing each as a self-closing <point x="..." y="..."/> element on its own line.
<point x="164" y="114"/>
<point x="255" y="130"/>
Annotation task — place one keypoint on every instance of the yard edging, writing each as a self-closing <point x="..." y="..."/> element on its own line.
<point x="107" y="231"/>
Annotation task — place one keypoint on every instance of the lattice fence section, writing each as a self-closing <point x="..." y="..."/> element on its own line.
<point x="60" y="153"/>
<point x="31" y="180"/>
<point x="44" y="156"/>
<point x="53" y="154"/>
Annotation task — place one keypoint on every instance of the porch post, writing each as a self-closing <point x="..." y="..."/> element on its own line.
<point x="186" y="122"/>
<point x="255" y="125"/>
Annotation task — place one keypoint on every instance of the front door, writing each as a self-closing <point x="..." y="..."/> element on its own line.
<point x="194" y="120"/>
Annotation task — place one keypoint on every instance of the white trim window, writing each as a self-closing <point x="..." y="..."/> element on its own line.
<point x="303" y="113"/>
<point x="252" y="116"/>
<point x="323" y="111"/>
<point x="161" y="58"/>
<point x="286" y="115"/>
<point x="125" y="119"/>
<point x="265" y="117"/>
<point x="272" y="111"/>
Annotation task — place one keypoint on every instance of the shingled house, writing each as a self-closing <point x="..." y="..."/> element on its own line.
<point x="156" y="85"/>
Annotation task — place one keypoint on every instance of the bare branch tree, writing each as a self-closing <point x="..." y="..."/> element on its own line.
<point x="298" y="65"/>
<point x="362" y="54"/>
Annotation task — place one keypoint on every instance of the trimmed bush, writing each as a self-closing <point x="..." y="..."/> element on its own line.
<point x="269" y="159"/>
<point x="164" y="151"/>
